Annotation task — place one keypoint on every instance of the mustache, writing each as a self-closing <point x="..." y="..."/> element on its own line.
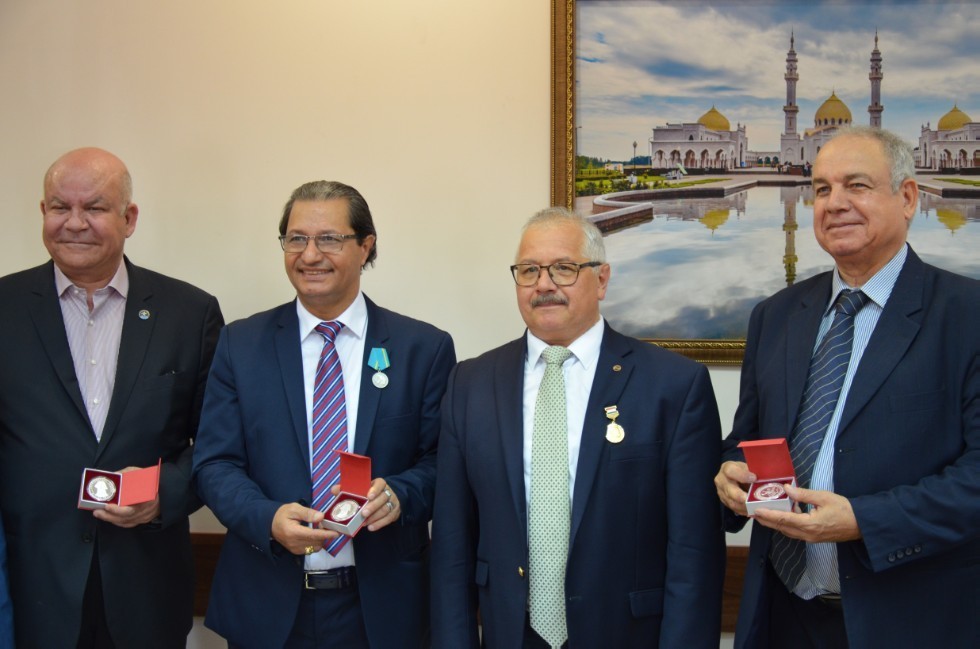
<point x="548" y="298"/>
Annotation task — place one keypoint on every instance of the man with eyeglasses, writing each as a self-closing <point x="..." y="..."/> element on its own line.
<point x="574" y="503"/>
<point x="292" y="386"/>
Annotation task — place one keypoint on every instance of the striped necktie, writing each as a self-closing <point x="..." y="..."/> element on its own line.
<point x="329" y="424"/>
<point x="824" y="381"/>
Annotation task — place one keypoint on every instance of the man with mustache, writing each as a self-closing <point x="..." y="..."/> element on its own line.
<point x="102" y="365"/>
<point x="330" y="371"/>
<point x="574" y="504"/>
<point x="872" y="373"/>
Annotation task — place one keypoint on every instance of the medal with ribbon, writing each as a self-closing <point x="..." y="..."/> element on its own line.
<point x="614" y="432"/>
<point x="378" y="360"/>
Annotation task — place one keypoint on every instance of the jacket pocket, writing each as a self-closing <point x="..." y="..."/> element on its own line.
<point x="644" y="603"/>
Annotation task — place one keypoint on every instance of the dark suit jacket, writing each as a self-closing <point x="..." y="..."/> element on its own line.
<point x="907" y="455"/>
<point x="6" y="610"/>
<point x="252" y="456"/>
<point x="646" y="554"/>
<point x="46" y="441"/>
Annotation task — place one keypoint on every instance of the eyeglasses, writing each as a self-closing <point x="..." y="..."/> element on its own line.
<point x="562" y="273"/>
<point x="331" y="243"/>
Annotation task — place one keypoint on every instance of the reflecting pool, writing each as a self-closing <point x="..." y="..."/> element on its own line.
<point x="699" y="266"/>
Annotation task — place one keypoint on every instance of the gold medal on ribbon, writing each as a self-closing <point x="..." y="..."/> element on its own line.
<point x="614" y="432"/>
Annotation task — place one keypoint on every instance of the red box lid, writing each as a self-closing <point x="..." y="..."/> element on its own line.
<point x="355" y="473"/>
<point x="768" y="458"/>
<point x="139" y="485"/>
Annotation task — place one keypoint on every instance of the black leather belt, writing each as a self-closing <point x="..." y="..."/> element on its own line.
<point x="832" y="600"/>
<point x="344" y="577"/>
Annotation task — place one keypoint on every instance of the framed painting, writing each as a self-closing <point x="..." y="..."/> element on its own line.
<point x="687" y="131"/>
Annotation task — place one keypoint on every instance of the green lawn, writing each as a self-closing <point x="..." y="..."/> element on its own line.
<point x="961" y="181"/>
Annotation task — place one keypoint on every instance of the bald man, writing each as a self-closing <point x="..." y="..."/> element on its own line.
<point x="102" y="364"/>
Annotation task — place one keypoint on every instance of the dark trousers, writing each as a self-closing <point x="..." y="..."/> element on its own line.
<point x="801" y="623"/>
<point x="329" y="619"/>
<point x="94" y="633"/>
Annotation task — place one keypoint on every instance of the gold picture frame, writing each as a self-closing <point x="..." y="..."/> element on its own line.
<point x="714" y="352"/>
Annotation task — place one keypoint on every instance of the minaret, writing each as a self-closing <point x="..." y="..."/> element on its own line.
<point x="791" y="76"/>
<point x="875" y="109"/>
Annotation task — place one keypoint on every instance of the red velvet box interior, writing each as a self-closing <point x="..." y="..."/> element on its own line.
<point x="770" y="461"/>
<point x="355" y="482"/>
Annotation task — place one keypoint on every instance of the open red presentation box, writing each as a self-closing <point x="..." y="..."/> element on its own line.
<point x="770" y="461"/>
<point x="344" y="512"/>
<point x="100" y="488"/>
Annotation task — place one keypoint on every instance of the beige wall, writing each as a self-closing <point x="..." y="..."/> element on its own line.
<point x="437" y="111"/>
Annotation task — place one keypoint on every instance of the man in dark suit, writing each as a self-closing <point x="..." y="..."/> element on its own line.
<point x="892" y="519"/>
<point x="600" y="530"/>
<point x="281" y="581"/>
<point x="103" y="365"/>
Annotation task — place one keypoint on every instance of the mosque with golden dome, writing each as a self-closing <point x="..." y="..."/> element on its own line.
<point x="831" y="116"/>
<point x="709" y="143"/>
<point x="955" y="142"/>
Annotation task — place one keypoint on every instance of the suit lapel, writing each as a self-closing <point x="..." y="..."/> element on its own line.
<point x="369" y="397"/>
<point x="508" y="392"/>
<point x="612" y="373"/>
<point x="802" y="327"/>
<point x="133" y="344"/>
<point x="290" y="359"/>
<point x="896" y="329"/>
<point x="46" y="314"/>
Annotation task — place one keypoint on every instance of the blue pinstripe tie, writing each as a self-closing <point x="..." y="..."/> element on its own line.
<point x="824" y="381"/>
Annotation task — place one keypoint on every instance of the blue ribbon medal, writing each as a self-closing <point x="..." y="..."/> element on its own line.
<point x="379" y="361"/>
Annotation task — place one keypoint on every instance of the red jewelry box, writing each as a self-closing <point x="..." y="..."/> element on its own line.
<point x="344" y="512"/>
<point x="770" y="461"/>
<point x="100" y="488"/>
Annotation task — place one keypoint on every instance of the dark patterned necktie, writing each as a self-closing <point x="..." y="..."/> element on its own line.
<point x="824" y="381"/>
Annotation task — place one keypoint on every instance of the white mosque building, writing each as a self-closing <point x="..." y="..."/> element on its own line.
<point x="955" y="142"/>
<point x="709" y="143"/>
<point x="831" y="115"/>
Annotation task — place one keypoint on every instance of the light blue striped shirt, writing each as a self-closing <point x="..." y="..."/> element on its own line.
<point x="821" y="558"/>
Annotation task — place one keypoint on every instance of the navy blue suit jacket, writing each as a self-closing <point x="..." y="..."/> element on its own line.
<point x="907" y="456"/>
<point x="646" y="554"/>
<point x="46" y="441"/>
<point x="6" y="610"/>
<point x="252" y="456"/>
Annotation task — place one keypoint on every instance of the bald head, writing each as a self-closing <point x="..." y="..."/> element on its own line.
<point x="96" y="162"/>
<point x="88" y="215"/>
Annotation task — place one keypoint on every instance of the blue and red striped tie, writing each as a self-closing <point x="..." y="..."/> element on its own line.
<point x="329" y="425"/>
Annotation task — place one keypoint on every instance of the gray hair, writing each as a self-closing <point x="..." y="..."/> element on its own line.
<point x="593" y="249"/>
<point x="358" y="212"/>
<point x="898" y="152"/>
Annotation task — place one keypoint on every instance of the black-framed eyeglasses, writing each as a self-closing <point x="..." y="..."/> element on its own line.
<point x="562" y="273"/>
<point x="331" y="243"/>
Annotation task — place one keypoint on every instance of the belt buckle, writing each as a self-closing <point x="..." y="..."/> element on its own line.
<point x="306" y="581"/>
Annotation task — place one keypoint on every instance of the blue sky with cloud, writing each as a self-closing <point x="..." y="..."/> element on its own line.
<point x="642" y="63"/>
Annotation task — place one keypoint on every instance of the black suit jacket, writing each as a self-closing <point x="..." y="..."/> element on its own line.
<point x="646" y="554"/>
<point x="46" y="441"/>
<point x="907" y="455"/>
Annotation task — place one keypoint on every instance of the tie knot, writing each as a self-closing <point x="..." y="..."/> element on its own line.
<point x="850" y="302"/>
<point x="556" y="355"/>
<point x="329" y="330"/>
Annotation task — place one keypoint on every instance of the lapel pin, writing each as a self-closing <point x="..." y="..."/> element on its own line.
<point x="614" y="432"/>
<point x="144" y="314"/>
<point x="379" y="361"/>
<point x="617" y="368"/>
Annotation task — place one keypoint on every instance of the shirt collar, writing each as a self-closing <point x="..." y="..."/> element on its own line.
<point x="585" y="348"/>
<point x="354" y="318"/>
<point x="119" y="282"/>
<point x="879" y="287"/>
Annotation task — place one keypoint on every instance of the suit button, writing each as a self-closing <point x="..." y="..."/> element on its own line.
<point x="899" y="554"/>
<point x="891" y="557"/>
<point x="918" y="549"/>
<point x="520" y="572"/>
<point x="87" y="537"/>
<point x="908" y="552"/>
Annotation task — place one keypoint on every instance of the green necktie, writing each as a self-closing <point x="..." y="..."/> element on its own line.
<point x="548" y="520"/>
